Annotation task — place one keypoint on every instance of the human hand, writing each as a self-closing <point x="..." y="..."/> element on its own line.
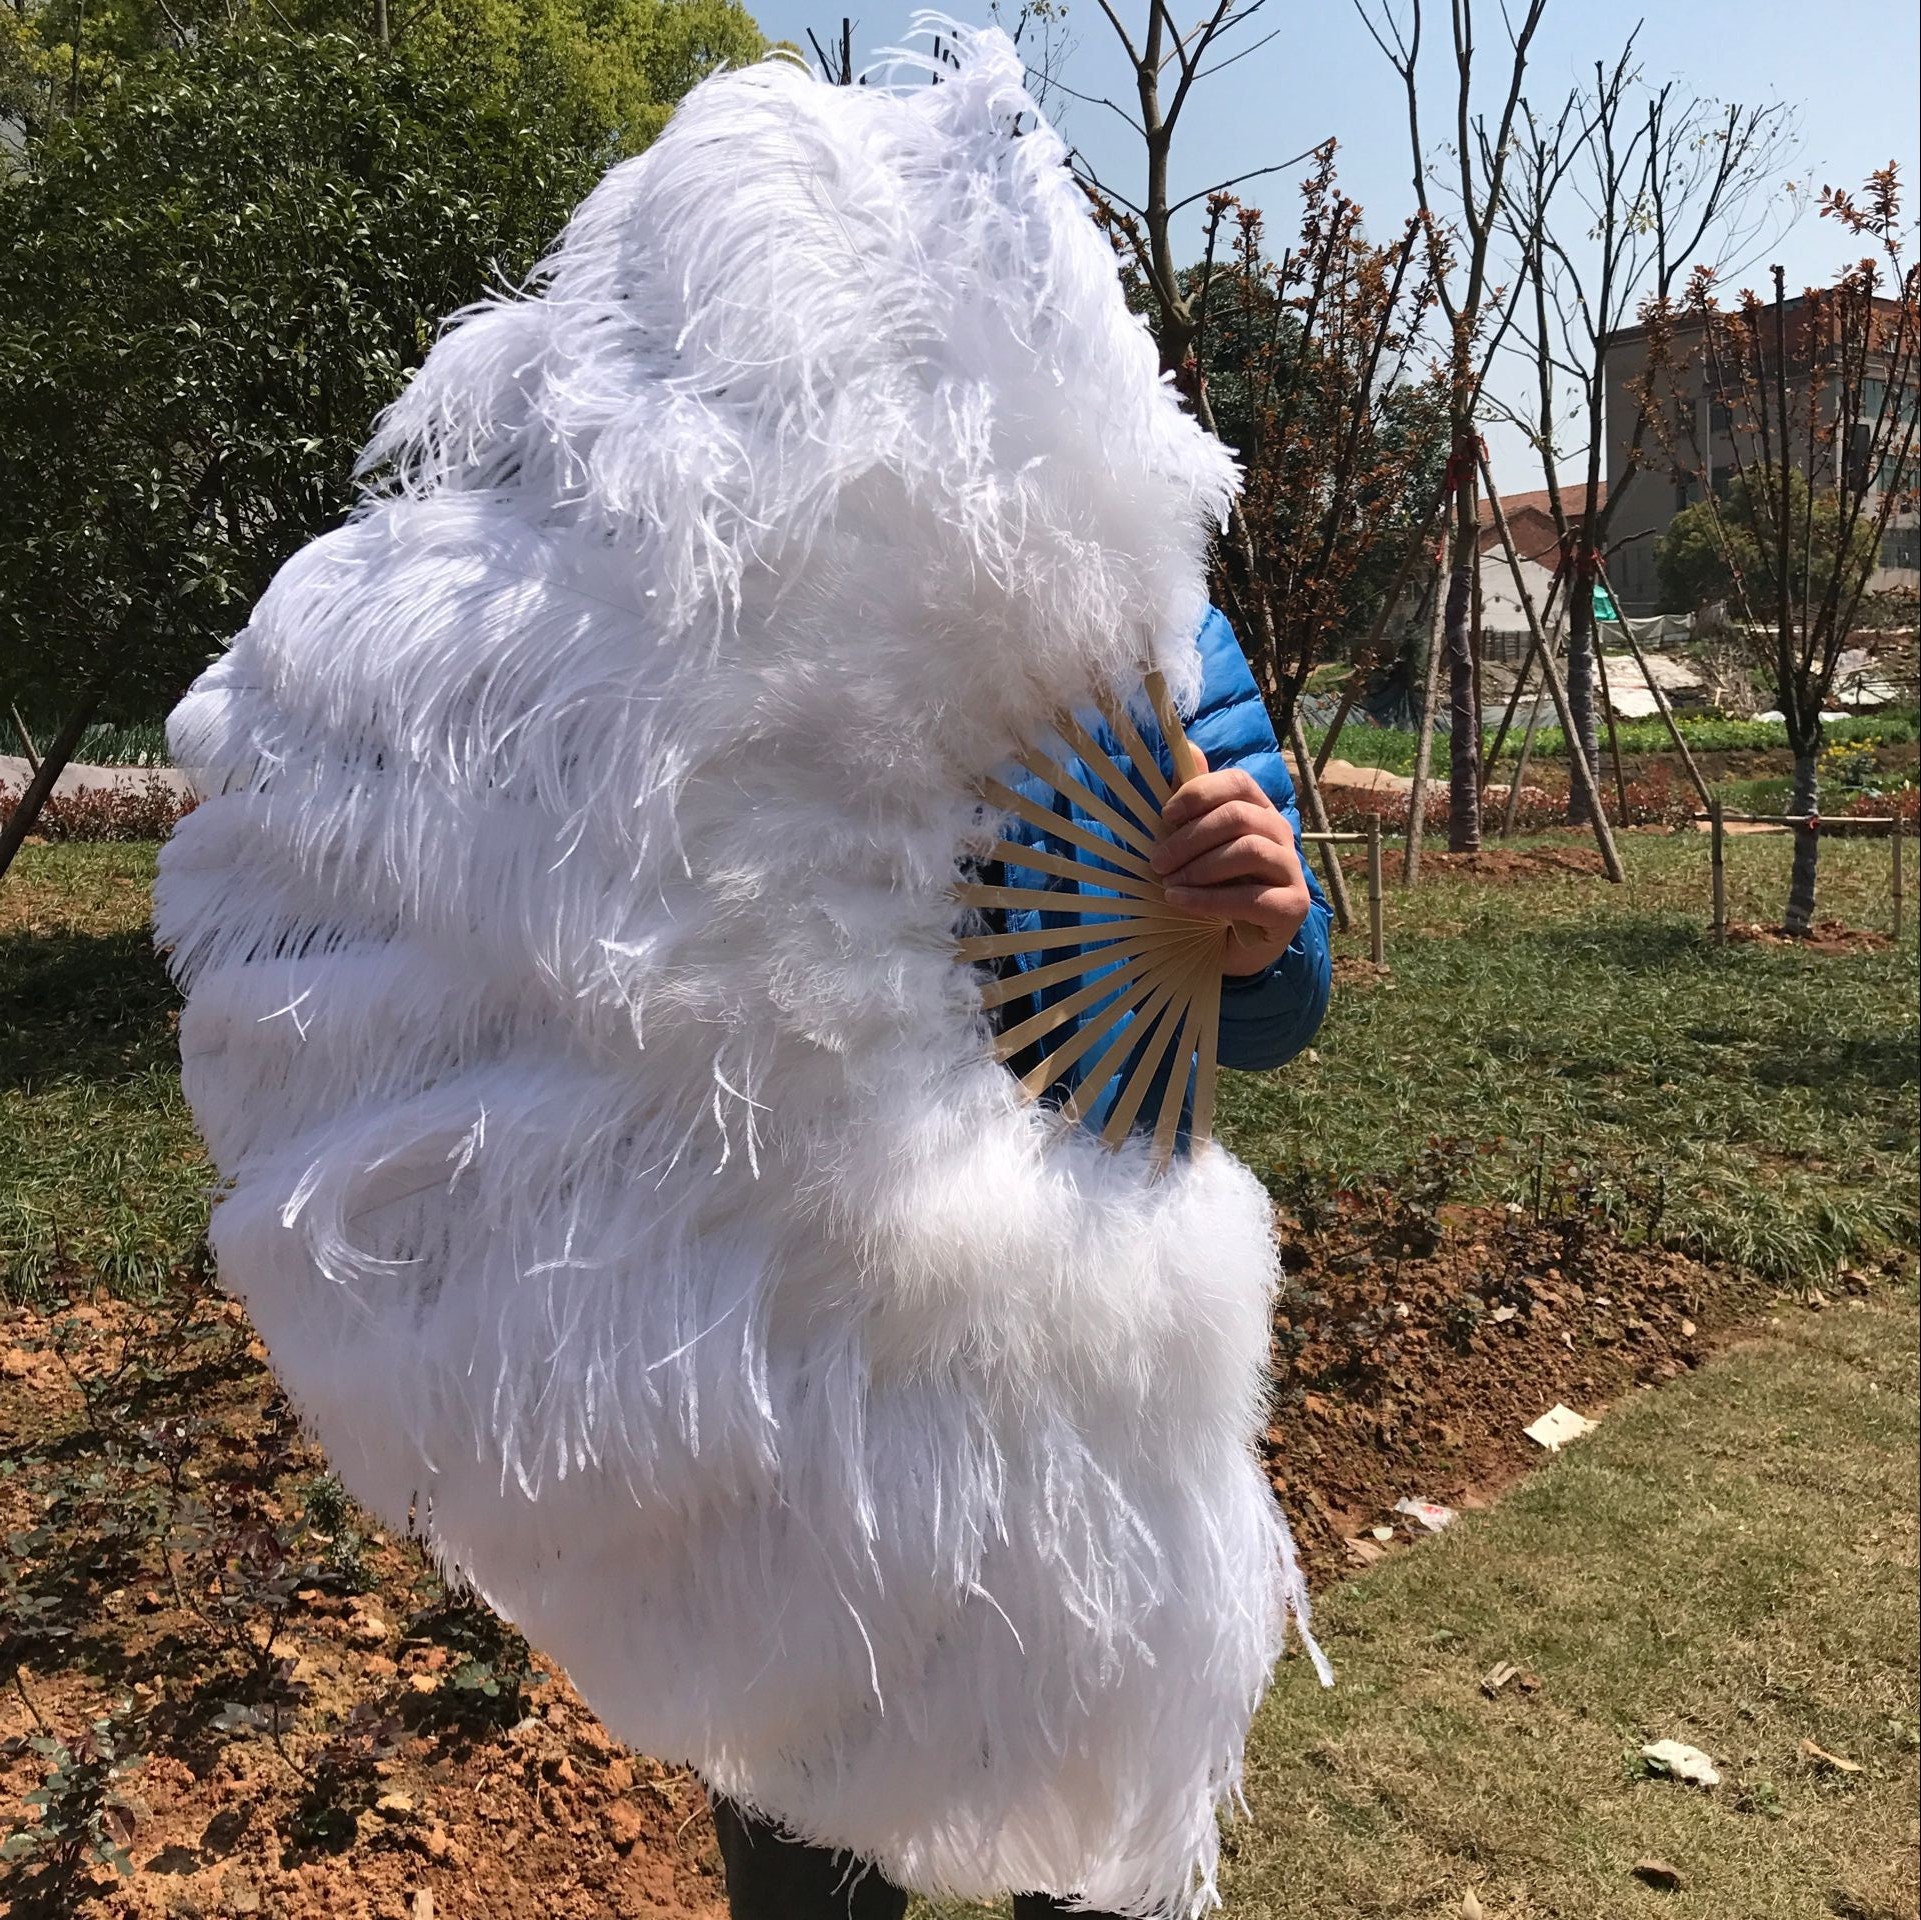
<point x="1228" y="853"/>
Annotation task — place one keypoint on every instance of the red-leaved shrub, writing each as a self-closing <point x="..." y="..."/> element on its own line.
<point x="149" y="811"/>
<point x="1656" y="799"/>
<point x="1904" y="805"/>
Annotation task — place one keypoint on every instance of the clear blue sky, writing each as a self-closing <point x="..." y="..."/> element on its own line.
<point x="1851" y="68"/>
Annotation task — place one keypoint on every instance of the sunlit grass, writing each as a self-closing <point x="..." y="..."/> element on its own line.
<point x="1762" y="1099"/>
<point x="1756" y="1101"/>
<point x="1730" y="1562"/>
<point x="101" y="1176"/>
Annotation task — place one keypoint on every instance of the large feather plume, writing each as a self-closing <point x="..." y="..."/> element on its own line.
<point x="613" y="1158"/>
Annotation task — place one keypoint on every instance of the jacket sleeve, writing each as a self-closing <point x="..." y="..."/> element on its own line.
<point x="1268" y="1017"/>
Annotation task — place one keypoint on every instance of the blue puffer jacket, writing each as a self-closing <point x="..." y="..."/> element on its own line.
<point x="1266" y="1018"/>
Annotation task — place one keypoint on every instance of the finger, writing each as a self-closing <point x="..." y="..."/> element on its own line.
<point x="1283" y="833"/>
<point x="1207" y="791"/>
<point x="1232" y="811"/>
<point x="1235" y="819"/>
<point x="1248" y="857"/>
<point x="1277" y="910"/>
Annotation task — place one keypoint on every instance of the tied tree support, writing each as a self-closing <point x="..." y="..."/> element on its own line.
<point x="1583" y="668"/>
<point x="1580" y="768"/>
<point x="1607" y="697"/>
<point x="1492" y="757"/>
<point x="53" y="763"/>
<point x="1660" y="699"/>
<point x="1368" y="658"/>
<point x="1424" y="753"/>
<point x="1464" y="716"/>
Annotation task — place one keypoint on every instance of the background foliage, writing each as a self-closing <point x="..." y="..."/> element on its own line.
<point x="230" y="244"/>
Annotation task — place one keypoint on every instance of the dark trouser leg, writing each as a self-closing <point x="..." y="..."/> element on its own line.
<point x="1042" y="1906"/>
<point x="772" y="1877"/>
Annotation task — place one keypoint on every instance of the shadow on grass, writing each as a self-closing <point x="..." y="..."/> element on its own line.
<point x="82" y="1006"/>
<point x="1831" y="1061"/>
<point x="1633" y="943"/>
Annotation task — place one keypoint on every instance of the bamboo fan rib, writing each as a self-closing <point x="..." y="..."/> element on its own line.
<point x="1137" y="991"/>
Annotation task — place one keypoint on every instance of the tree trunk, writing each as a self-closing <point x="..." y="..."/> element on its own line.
<point x="60" y="750"/>
<point x="1464" y="741"/>
<point x="1582" y="705"/>
<point x="1424" y="753"/>
<point x="1807" y="843"/>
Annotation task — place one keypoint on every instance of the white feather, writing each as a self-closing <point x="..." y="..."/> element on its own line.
<point x="616" y="1166"/>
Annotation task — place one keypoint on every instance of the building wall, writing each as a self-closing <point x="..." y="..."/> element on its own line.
<point x="1650" y="495"/>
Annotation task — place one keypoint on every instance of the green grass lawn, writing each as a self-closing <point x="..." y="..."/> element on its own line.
<point x="101" y="1175"/>
<point x="1729" y="1562"/>
<point x="1757" y="1102"/>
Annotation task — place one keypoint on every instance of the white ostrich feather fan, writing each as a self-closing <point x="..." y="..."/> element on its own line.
<point x="616" y="1158"/>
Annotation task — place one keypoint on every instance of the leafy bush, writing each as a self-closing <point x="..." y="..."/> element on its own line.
<point x="149" y="811"/>
<point x="78" y="1817"/>
<point x="1394" y="748"/>
<point x="1660" y="798"/>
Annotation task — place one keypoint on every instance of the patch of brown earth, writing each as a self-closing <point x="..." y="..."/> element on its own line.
<point x="303" y="1722"/>
<point x="1517" y="863"/>
<point x="1415" y="1343"/>
<point x="1351" y="971"/>
<point x="1825" y="936"/>
<point x="288" y="1715"/>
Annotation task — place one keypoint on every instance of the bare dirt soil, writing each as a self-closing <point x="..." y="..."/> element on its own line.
<point x="1825" y="936"/>
<point x="257" y="1703"/>
<point x="317" y="1729"/>
<point x="1516" y="863"/>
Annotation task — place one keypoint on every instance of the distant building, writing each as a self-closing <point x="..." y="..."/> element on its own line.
<point x="1530" y="520"/>
<point x="1707" y="435"/>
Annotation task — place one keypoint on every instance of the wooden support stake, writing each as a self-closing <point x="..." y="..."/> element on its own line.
<point x="1492" y="757"/>
<point x="1315" y="807"/>
<point x="1364" y="660"/>
<point x="1519" y="777"/>
<point x="1376" y="934"/>
<point x="1717" y="864"/>
<point x="1535" y="641"/>
<point x="26" y="743"/>
<point x="1614" y="736"/>
<point x="1475" y="641"/>
<point x="1653" y="686"/>
<point x="1894" y="874"/>
<point x="1578" y="768"/>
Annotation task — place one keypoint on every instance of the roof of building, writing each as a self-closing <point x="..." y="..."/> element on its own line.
<point x="1687" y="321"/>
<point x="1537" y="502"/>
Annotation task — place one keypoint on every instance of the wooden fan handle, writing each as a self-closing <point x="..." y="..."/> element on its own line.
<point x="1187" y="763"/>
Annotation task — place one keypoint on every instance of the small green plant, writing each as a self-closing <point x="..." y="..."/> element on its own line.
<point x="79" y="1816"/>
<point x="493" y="1670"/>
<point x="324" y="1504"/>
<point x="330" y="1514"/>
<point x="340" y="1779"/>
<point x="1464" y="1315"/>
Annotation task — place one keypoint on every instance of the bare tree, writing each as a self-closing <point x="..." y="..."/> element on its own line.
<point x="1611" y="202"/>
<point x="1461" y="257"/>
<point x="1167" y="62"/>
<point x="1823" y="403"/>
<point x="1310" y="366"/>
